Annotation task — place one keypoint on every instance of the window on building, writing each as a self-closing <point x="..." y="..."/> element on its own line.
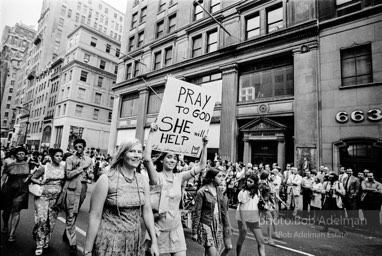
<point x="198" y="10"/>
<point x="69" y="13"/>
<point x="108" y="46"/>
<point x="117" y="52"/>
<point x="136" y="68"/>
<point x="172" y="23"/>
<point x="197" y="46"/>
<point x="106" y="10"/>
<point x="212" y="41"/>
<point x="79" y="110"/>
<point x="8" y="106"/>
<point x="84" y="76"/>
<point x="154" y="101"/>
<point x="93" y="41"/>
<point x="9" y="97"/>
<point x="134" y="20"/>
<point x="252" y="26"/>
<point x="83" y="19"/>
<point x="86" y="57"/>
<point x="116" y="69"/>
<point x="141" y="37"/>
<point x="157" y="60"/>
<point x="63" y="10"/>
<point x="111" y="103"/>
<point x="95" y="114"/>
<point x="97" y="98"/>
<point x="162" y="5"/>
<point x="160" y="27"/>
<point x="110" y="117"/>
<point x="10" y="90"/>
<point x="64" y="109"/>
<point x="81" y="93"/>
<point x="131" y="44"/>
<point x="70" y="74"/>
<point x="102" y="64"/>
<point x="268" y="79"/>
<point x="6" y="114"/>
<point x="129" y="68"/>
<point x="143" y="15"/>
<point x="100" y="81"/>
<point x="274" y="18"/>
<point x="215" y="6"/>
<point x="168" y="56"/>
<point x="61" y="22"/>
<point x="129" y="106"/>
<point x="356" y="65"/>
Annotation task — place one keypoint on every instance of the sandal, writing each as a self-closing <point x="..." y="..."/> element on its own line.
<point x="11" y="239"/>
<point x="38" y="251"/>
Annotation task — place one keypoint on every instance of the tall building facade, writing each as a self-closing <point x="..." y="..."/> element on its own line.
<point x="14" y="43"/>
<point x="266" y="61"/>
<point x="84" y="105"/>
<point x="42" y="76"/>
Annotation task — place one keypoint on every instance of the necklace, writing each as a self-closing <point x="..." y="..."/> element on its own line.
<point x="127" y="179"/>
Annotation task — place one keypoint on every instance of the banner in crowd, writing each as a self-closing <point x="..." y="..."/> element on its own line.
<point x="184" y="118"/>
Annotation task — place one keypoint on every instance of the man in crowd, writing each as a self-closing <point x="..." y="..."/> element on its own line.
<point x="306" y="186"/>
<point x="352" y="189"/>
<point x="371" y="201"/>
<point x="79" y="172"/>
<point x="342" y="175"/>
<point x="294" y="189"/>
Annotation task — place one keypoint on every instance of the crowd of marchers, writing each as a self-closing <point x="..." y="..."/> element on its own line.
<point x="138" y="185"/>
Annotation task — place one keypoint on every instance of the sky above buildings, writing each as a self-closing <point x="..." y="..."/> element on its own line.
<point x="28" y="11"/>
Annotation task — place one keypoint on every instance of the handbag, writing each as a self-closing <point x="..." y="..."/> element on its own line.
<point x="155" y="196"/>
<point x="35" y="189"/>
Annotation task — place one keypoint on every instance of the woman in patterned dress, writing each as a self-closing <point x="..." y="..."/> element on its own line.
<point x="50" y="176"/>
<point x="168" y="223"/>
<point x="209" y="219"/>
<point x="14" y="191"/>
<point x="120" y="198"/>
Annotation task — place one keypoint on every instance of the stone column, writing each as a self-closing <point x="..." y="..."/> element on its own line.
<point x="114" y="125"/>
<point x="247" y="151"/>
<point x="228" y="122"/>
<point x="306" y="128"/>
<point x="281" y="150"/>
<point x="142" y="111"/>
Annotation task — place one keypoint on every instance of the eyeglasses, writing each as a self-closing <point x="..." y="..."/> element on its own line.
<point x="78" y="147"/>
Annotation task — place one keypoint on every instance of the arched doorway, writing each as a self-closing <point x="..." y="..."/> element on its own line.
<point x="359" y="154"/>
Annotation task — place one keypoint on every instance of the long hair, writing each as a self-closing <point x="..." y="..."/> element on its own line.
<point x="158" y="161"/>
<point x="125" y="146"/>
<point x="253" y="190"/>
<point x="210" y="175"/>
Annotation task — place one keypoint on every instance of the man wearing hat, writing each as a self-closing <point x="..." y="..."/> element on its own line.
<point x="79" y="171"/>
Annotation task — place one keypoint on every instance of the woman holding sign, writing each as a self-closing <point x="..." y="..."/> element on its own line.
<point x="170" y="235"/>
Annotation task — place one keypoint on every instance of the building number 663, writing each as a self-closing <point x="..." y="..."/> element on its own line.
<point x="358" y="115"/>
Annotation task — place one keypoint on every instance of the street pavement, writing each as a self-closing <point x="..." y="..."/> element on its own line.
<point x="297" y="238"/>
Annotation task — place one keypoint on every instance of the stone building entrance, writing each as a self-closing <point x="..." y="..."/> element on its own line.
<point x="264" y="141"/>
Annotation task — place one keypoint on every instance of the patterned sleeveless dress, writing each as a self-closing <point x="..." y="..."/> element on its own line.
<point x="120" y="228"/>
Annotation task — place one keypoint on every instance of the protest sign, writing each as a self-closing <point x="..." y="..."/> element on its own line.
<point x="184" y="118"/>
